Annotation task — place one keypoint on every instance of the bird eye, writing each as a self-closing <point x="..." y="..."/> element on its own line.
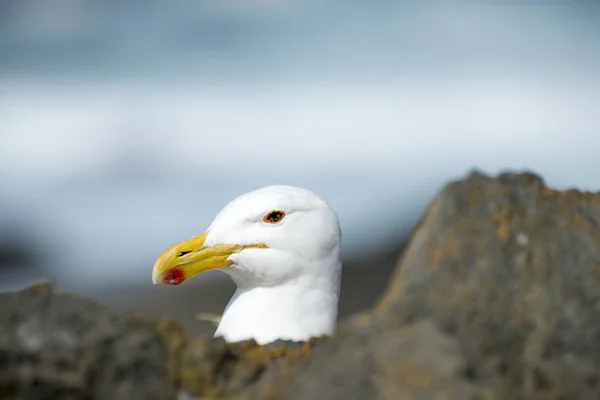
<point x="274" y="217"/>
<point x="183" y="253"/>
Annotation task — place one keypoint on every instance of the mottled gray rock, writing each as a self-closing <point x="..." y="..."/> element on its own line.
<point x="60" y="346"/>
<point x="215" y="369"/>
<point x="511" y="269"/>
<point x="496" y="297"/>
<point x="416" y="361"/>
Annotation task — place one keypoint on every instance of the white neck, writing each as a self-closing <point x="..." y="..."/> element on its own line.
<point x="296" y="310"/>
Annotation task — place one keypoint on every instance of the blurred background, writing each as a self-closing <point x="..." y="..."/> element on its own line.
<point x="126" y="125"/>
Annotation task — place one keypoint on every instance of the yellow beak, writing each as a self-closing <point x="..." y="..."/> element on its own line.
<point x="190" y="257"/>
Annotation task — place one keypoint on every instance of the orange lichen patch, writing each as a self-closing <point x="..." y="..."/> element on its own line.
<point x="503" y="228"/>
<point x="593" y="199"/>
<point x="411" y="376"/>
<point x="175" y="341"/>
<point x="577" y="222"/>
<point x="573" y="193"/>
<point x="474" y="197"/>
<point x="571" y="198"/>
<point x="503" y="231"/>
<point x="206" y="362"/>
<point x="251" y="349"/>
<point x="436" y="256"/>
<point x="447" y="247"/>
<point x="550" y="192"/>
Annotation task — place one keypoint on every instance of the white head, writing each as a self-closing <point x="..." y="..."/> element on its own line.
<point x="264" y="238"/>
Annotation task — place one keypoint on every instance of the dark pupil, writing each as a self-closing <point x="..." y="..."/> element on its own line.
<point x="274" y="216"/>
<point x="183" y="253"/>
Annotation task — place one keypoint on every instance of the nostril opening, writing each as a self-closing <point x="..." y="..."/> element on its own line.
<point x="183" y="253"/>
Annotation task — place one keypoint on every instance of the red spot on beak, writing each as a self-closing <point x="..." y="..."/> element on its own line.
<point x="173" y="277"/>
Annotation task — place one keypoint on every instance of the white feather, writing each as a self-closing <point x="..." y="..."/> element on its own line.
<point x="289" y="290"/>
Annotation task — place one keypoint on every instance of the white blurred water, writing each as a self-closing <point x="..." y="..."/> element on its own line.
<point x="129" y="131"/>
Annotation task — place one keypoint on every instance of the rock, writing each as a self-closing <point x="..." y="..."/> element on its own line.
<point x="174" y="338"/>
<point x="416" y="361"/>
<point x="215" y="369"/>
<point x="496" y="297"/>
<point x="61" y="346"/>
<point x="510" y="269"/>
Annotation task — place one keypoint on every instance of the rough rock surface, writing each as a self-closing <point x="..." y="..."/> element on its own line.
<point x="497" y="296"/>
<point x="213" y="368"/>
<point x="61" y="346"/>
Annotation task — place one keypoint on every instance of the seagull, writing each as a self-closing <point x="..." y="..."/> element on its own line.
<point x="281" y="246"/>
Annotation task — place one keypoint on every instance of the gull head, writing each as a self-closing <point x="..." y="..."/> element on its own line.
<point x="269" y="237"/>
